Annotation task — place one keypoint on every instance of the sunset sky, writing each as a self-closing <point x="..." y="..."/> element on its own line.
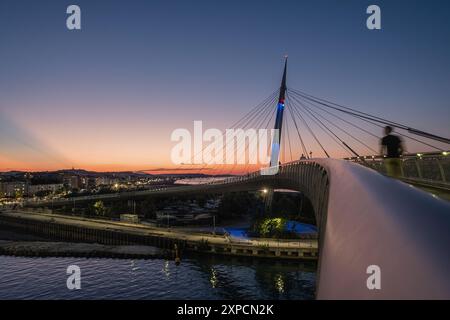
<point x="108" y="97"/>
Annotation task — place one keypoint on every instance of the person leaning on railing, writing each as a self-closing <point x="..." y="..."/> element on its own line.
<point x="392" y="149"/>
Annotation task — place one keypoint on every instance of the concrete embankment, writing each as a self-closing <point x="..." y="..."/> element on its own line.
<point x="68" y="249"/>
<point x="113" y="233"/>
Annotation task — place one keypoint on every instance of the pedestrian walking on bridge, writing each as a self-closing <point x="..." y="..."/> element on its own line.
<point x="392" y="149"/>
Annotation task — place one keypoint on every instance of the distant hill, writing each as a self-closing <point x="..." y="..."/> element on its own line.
<point x="19" y="175"/>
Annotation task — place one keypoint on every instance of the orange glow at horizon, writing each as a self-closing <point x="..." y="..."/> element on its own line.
<point x="116" y="141"/>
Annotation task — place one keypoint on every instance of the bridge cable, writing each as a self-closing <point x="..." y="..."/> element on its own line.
<point x="339" y="128"/>
<point x="340" y="118"/>
<point x="305" y="150"/>
<point x="255" y="115"/>
<point x="378" y="125"/>
<point x="328" y="129"/>
<point x="374" y="118"/>
<point x="289" y="137"/>
<point x="266" y="126"/>
<point x="322" y="126"/>
<point x="255" y="109"/>
<point x="405" y="135"/>
<point x="257" y="120"/>
<point x="252" y="112"/>
<point x="260" y="119"/>
<point x="348" y="110"/>
<point x="295" y="110"/>
<point x="282" y="156"/>
<point x="373" y="123"/>
<point x="257" y="125"/>
<point x="299" y="111"/>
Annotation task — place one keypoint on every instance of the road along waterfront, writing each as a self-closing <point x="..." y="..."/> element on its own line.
<point x="78" y="229"/>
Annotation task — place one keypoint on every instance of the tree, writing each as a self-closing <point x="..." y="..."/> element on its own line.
<point x="272" y="227"/>
<point x="42" y="193"/>
<point x="147" y="208"/>
<point x="99" y="208"/>
<point x="285" y="205"/>
<point x="201" y="200"/>
<point x="237" y="204"/>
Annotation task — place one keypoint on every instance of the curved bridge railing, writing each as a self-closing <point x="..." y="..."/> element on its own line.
<point x="373" y="220"/>
<point x="432" y="169"/>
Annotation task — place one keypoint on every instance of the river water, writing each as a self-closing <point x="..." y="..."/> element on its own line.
<point x="197" y="277"/>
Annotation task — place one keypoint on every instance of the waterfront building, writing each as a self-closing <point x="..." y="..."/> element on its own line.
<point x="54" y="187"/>
<point x="13" y="189"/>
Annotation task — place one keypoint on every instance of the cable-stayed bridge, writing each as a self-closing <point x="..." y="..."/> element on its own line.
<point x="364" y="218"/>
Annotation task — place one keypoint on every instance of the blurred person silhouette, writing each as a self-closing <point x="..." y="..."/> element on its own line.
<point x="392" y="149"/>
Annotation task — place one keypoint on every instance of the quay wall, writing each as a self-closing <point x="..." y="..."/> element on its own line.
<point x="107" y="234"/>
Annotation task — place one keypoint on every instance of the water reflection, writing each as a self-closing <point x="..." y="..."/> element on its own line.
<point x="165" y="268"/>
<point x="133" y="266"/>
<point x="214" y="281"/>
<point x="279" y="283"/>
<point x="197" y="277"/>
<point x="247" y="278"/>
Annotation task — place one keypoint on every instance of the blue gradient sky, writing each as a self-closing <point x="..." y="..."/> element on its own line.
<point x="108" y="97"/>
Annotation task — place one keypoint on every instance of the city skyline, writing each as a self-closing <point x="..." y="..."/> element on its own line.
<point x="107" y="97"/>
